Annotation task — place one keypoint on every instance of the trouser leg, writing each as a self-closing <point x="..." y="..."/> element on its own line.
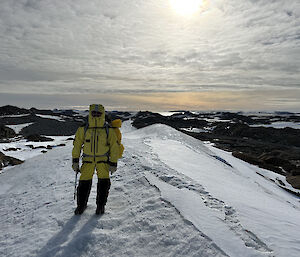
<point x="83" y="192"/>
<point x="103" y="187"/>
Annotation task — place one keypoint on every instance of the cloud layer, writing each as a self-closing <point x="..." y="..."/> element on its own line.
<point x="134" y="46"/>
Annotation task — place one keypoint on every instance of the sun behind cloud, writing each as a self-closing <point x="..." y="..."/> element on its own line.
<point x="186" y="7"/>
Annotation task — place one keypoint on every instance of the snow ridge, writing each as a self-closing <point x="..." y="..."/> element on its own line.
<point x="163" y="173"/>
<point x="171" y="196"/>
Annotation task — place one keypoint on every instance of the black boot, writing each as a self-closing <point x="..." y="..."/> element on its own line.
<point x="83" y="192"/>
<point x="103" y="187"/>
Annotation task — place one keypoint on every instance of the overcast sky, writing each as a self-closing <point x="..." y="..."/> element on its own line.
<point x="144" y="54"/>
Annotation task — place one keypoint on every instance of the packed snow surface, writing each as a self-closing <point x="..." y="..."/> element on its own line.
<point x="171" y="196"/>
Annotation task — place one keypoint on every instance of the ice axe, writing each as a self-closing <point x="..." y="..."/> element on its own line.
<point x="75" y="183"/>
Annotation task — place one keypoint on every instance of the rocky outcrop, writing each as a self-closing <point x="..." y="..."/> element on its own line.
<point x="120" y="115"/>
<point x="12" y="110"/>
<point x="143" y="119"/>
<point x="8" y="161"/>
<point x="235" y="117"/>
<point x="38" y="138"/>
<point x="51" y="127"/>
<point x="294" y="181"/>
<point x="6" y="132"/>
<point x="284" y="136"/>
<point x="14" y="149"/>
<point x="43" y="126"/>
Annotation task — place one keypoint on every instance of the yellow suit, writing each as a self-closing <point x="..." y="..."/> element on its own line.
<point x="99" y="150"/>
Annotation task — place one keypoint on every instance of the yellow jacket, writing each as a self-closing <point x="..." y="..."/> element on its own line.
<point x="97" y="147"/>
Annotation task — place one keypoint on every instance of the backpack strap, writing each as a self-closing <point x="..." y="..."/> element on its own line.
<point x="107" y="130"/>
<point x="106" y="126"/>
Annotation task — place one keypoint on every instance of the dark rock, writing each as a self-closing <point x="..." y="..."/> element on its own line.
<point x="43" y="125"/>
<point x="184" y="114"/>
<point x="26" y="118"/>
<point x="280" y="182"/>
<point x="51" y="127"/>
<point x="6" y="132"/>
<point x="235" y="117"/>
<point x="30" y="146"/>
<point x="294" y="181"/>
<point x="39" y="147"/>
<point x="285" y="136"/>
<point x="61" y="144"/>
<point x="119" y="115"/>
<point x="12" y="110"/>
<point x="143" y="119"/>
<point x="49" y="147"/>
<point x="43" y="151"/>
<point x="295" y="171"/>
<point x="70" y="138"/>
<point x="8" y="160"/>
<point x="271" y="159"/>
<point x="38" y="138"/>
<point x="246" y="157"/>
<point x="12" y="149"/>
<point x="42" y="112"/>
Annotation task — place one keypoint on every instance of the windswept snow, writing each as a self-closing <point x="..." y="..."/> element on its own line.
<point x="14" y="115"/>
<point x="50" y="117"/>
<point x="169" y="197"/>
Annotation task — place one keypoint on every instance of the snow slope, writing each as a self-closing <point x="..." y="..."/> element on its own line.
<point x="171" y="196"/>
<point x="24" y="152"/>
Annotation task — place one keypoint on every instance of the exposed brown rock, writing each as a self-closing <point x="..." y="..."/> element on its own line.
<point x="294" y="181"/>
<point x="38" y="138"/>
<point x="8" y="160"/>
<point x="6" y="132"/>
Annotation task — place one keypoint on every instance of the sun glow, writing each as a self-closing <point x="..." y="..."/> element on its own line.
<point x="186" y="7"/>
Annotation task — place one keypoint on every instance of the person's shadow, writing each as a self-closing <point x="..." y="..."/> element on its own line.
<point x="56" y="247"/>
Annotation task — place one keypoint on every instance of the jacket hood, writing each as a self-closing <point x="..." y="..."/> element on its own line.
<point x="96" y="121"/>
<point x="116" y="123"/>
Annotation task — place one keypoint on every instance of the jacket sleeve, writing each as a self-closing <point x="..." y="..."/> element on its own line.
<point x="77" y="143"/>
<point x="113" y="147"/>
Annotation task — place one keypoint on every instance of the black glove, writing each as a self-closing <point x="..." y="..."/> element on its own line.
<point x="75" y="164"/>
<point x="112" y="167"/>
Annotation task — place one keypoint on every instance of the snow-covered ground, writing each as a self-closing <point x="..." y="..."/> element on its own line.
<point x="171" y="196"/>
<point x="24" y="152"/>
<point x="19" y="127"/>
<point x="59" y="118"/>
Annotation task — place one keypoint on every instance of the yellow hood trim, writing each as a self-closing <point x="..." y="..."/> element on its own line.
<point x="116" y="123"/>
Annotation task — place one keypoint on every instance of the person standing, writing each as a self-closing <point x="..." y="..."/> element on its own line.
<point x="101" y="152"/>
